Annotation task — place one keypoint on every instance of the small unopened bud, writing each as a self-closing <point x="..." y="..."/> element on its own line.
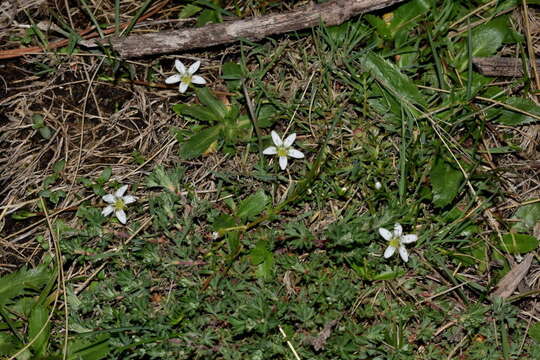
<point x="378" y="185"/>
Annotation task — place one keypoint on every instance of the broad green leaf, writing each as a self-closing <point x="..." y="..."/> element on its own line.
<point x="45" y="132"/>
<point x="266" y="115"/>
<point x="264" y="259"/>
<point x="21" y="282"/>
<point x="9" y="344"/>
<point x="37" y="321"/>
<point x="486" y="40"/>
<point x="59" y="166"/>
<point x="232" y="73"/>
<point x="199" y="112"/>
<point x="80" y="349"/>
<point x="534" y="331"/>
<point x="223" y="221"/>
<point x="529" y="216"/>
<point x="514" y="118"/>
<point x="189" y="10"/>
<point x="208" y="16"/>
<point x="445" y="182"/>
<point x="407" y="16"/>
<point x="105" y="175"/>
<point x="518" y="243"/>
<point x="253" y="205"/>
<point x="392" y="79"/>
<point x="207" y="98"/>
<point x="379" y="25"/>
<point x="199" y="143"/>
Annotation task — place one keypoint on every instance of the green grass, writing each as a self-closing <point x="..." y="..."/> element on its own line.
<point x="214" y="261"/>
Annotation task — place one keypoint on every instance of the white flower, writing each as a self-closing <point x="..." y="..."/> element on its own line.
<point x="185" y="77"/>
<point x="397" y="241"/>
<point x="283" y="149"/>
<point x="117" y="203"/>
<point x="378" y="185"/>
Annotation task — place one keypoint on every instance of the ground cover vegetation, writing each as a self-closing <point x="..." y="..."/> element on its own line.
<point x="360" y="191"/>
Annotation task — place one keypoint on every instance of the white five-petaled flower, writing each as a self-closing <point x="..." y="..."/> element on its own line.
<point x="185" y="76"/>
<point x="397" y="241"/>
<point x="117" y="203"/>
<point x="283" y="149"/>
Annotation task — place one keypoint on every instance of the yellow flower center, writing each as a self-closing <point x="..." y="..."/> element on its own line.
<point x="394" y="242"/>
<point x="119" y="204"/>
<point x="186" y="79"/>
<point x="282" y="151"/>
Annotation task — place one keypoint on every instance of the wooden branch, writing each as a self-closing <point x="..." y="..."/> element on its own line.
<point x="500" y="66"/>
<point x="331" y="13"/>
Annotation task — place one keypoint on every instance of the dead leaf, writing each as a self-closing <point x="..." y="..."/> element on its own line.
<point x="508" y="284"/>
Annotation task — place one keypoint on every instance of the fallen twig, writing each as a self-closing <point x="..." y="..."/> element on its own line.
<point x="500" y="66"/>
<point x="331" y="13"/>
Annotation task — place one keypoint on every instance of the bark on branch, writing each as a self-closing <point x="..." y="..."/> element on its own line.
<point x="331" y="13"/>
<point x="500" y="66"/>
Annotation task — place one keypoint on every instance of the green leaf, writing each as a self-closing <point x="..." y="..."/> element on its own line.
<point x="9" y="344"/>
<point x="80" y="349"/>
<point x="189" y="10"/>
<point x="37" y="119"/>
<point x="208" y="16"/>
<point x="518" y="243"/>
<point x="105" y="175"/>
<point x="514" y="118"/>
<point x="232" y="73"/>
<point x="45" y="132"/>
<point x="169" y="180"/>
<point x="267" y="115"/>
<point x="23" y="214"/>
<point x="261" y="256"/>
<point x="529" y="216"/>
<point x="408" y="15"/>
<point x="59" y="166"/>
<point x="445" y="182"/>
<point x="207" y="98"/>
<point x="534" y="331"/>
<point x="37" y="321"/>
<point x="253" y="205"/>
<point x="392" y="79"/>
<point x="199" y="143"/>
<point x="486" y="39"/>
<point x="20" y="283"/>
<point x="196" y="111"/>
<point x="223" y="221"/>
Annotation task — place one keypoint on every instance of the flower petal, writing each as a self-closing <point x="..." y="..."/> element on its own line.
<point x="173" y="79"/>
<point x="107" y="211"/>
<point x="282" y="162"/>
<point x="121" y="215"/>
<point x="194" y="67"/>
<point x="183" y="87"/>
<point x="389" y="252"/>
<point x="271" y="150"/>
<point x="295" y="154"/>
<point x="289" y="140"/>
<point x="180" y="67"/>
<point x="398" y="230"/>
<point x="387" y="235"/>
<point x="276" y="139"/>
<point x="128" y="199"/>
<point x="199" y="80"/>
<point x="407" y="239"/>
<point x="109" y="198"/>
<point x="121" y="191"/>
<point x="403" y="253"/>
